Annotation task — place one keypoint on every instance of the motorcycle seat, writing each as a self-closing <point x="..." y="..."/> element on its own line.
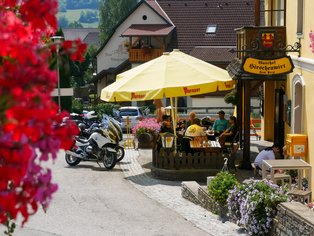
<point x="82" y="140"/>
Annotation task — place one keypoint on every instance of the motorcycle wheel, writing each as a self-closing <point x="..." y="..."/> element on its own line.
<point x="71" y="160"/>
<point x="109" y="159"/>
<point x="120" y="153"/>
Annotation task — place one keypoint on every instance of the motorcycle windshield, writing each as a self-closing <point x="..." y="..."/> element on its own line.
<point x="114" y="129"/>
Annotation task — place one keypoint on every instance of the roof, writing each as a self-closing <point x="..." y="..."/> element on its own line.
<point x="191" y="18"/>
<point x="92" y="39"/>
<point x="87" y="35"/>
<point x="148" y="30"/>
<point x="113" y="70"/>
<point x="218" y="54"/>
<point x="152" y="4"/>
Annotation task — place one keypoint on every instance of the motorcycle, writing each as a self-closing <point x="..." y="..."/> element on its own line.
<point x="87" y="117"/>
<point x="100" y="146"/>
<point x="110" y="124"/>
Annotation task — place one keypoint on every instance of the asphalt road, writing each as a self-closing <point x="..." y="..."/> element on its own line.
<point x="93" y="201"/>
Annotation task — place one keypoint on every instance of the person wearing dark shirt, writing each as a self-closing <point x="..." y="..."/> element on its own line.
<point x="229" y="134"/>
<point x="165" y="125"/>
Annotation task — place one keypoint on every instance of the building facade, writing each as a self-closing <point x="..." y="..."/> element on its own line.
<point x="298" y="103"/>
<point x="203" y="29"/>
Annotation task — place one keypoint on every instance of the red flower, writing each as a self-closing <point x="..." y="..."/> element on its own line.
<point x="28" y="117"/>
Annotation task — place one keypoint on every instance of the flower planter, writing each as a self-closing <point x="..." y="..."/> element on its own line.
<point x="146" y="141"/>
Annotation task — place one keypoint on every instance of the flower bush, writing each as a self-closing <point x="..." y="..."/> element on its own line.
<point x="253" y="204"/>
<point x="147" y="125"/>
<point x="30" y="125"/>
<point x="220" y="185"/>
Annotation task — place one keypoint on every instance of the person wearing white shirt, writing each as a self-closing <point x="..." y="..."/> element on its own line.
<point x="269" y="153"/>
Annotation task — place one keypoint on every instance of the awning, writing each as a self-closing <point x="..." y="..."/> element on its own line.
<point x="148" y="30"/>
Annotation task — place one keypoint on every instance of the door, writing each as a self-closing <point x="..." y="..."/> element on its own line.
<point x="279" y="133"/>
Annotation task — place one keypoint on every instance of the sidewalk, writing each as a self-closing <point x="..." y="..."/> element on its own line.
<point x="136" y="167"/>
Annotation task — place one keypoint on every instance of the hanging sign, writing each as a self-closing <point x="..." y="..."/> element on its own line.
<point x="277" y="66"/>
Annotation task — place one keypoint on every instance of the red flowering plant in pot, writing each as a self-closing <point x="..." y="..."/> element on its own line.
<point x="30" y="125"/>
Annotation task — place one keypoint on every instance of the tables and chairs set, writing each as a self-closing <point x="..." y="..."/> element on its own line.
<point x="303" y="169"/>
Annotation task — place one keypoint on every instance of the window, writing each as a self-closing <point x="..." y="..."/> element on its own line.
<point x="300" y="11"/>
<point x="211" y="29"/>
<point x="274" y="13"/>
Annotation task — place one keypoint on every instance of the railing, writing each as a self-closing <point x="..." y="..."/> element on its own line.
<point x="144" y="54"/>
<point x="178" y="161"/>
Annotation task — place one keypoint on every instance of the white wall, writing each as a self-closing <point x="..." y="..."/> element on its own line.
<point x="114" y="53"/>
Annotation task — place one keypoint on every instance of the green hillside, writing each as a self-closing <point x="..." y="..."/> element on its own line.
<point x="74" y="15"/>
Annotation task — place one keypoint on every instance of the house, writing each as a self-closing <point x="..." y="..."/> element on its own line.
<point x="90" y="36"/>
<point x="203" y="29"/>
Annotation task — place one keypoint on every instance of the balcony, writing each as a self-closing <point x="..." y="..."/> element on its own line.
<point x="144" y="54"/>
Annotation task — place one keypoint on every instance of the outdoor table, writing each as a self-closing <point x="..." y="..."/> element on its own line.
<point x="288" y="164"/>
<point x="207" y="146"/>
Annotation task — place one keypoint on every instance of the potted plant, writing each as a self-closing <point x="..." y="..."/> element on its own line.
<point x="253" y="205"/>
<point x="146" y="132"/>
<point x="218" y="189"/>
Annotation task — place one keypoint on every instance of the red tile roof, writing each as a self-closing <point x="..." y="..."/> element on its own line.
<point x="218" y="54"/>
<point x="191" y="18"/>
<point x="153" y="4"/>
<point x="148" y="30"/>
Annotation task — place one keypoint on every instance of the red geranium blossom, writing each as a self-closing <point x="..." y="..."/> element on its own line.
<point x="30" y="126"/>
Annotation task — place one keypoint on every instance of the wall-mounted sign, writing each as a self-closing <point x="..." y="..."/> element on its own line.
<point x="277" y="66"/>
<point x="267" y="39"/>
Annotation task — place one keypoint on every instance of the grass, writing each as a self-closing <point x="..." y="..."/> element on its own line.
<point x="74" y="15"/>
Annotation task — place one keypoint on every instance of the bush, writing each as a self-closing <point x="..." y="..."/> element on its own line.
<point x="105" y="108"/>
<point x="220" y="185"/>
<point x="77" y="106"/>
<point x="253" y="204"/>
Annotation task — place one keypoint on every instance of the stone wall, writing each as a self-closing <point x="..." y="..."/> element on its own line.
<point x="292" y="219"/>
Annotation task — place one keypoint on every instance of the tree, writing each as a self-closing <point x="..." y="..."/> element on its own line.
<point x="111" y="13"/>
<point x="75" y="25"/>
<point x="82" y="72"/>
<point x="30" y="125"/>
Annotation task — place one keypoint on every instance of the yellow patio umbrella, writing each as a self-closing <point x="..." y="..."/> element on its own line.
<point x="174" y="74"/>
<point x="171" y="75"/>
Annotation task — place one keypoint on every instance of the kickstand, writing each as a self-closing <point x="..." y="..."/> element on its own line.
<point x="98" y="163"/>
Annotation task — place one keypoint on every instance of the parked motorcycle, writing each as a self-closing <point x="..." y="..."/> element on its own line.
<point x="100" y="146"/>
<point x="87" y="117"/>
<point x="108" y="123"/>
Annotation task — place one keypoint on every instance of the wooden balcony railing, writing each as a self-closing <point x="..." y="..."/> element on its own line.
<point x="144" y="54"/>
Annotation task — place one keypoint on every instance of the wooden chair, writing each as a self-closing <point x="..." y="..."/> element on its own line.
<point x="281" y="177"/>
<point x="231" y="150"/>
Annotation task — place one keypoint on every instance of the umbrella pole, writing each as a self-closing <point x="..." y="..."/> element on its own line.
<point x="174" y="125"/>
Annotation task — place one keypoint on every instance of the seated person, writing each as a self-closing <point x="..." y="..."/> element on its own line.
<point x="191" y="117"/>
<point x="229" y="134"/>
<point x="195" y="129"/>
<point x="270" y="153"/>
<point x="220" y="124"/>
<point x="166" y="125"/>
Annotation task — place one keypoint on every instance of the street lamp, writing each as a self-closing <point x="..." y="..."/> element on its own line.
<point x="58" y="40"/>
